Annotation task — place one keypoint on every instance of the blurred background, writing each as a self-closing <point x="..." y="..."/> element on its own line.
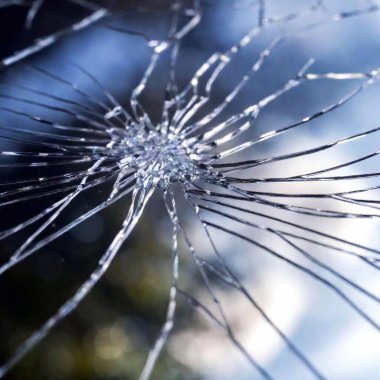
<point x="110" y="333"/>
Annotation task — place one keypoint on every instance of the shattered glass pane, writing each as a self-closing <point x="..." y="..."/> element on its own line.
<point x="216" y="163"/>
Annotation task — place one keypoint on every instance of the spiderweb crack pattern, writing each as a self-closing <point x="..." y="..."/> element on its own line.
<point x="195" y="148"/>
